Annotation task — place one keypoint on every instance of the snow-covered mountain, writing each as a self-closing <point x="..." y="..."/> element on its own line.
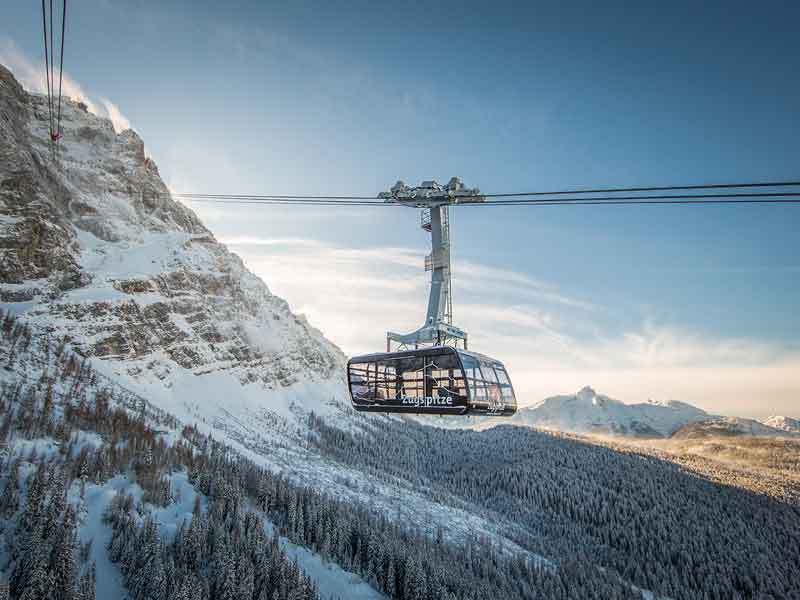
<point x="94" y="250"/>
<point x="590" y="412"/>
<point x="729" y="427"/>
<point x="783" y="423"/>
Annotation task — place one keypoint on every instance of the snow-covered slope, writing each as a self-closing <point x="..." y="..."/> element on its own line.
<point x="39" y="376"/>
<point x="729" y="427"/>
<point x="783" y="423"/>
<point x="590" y="412"/>
<point x="94" y="249"/>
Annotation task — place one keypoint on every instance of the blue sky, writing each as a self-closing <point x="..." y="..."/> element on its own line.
<point x="641" y="302"/>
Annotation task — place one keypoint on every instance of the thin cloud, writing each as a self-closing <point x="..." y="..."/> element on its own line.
<point x="355" y="295"/>
<point x="470" y="275"/>
<point x="245" y="240"/>
<point x="657" y="346"/>
<point x="364" y="257"/>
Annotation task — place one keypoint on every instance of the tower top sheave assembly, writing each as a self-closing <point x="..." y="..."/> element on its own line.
<point x="430" y="194"/>
<point x="434" y="199"/>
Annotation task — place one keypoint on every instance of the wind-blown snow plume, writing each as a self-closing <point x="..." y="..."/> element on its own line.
<point x="31" y="75"/>
<point x="120" y="121"/>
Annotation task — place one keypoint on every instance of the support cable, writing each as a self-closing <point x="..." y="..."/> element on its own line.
<point x="52" y="78"/>
<point x="707" y="198"/>
<point x="61" y="68"/>
<point x="47" y="66"/>
<point x="742" y="198"/>
<point x="53" y="104"/>
<point x="711" y="186"/>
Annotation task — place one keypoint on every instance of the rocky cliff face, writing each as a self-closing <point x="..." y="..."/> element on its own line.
<point x="93" y="249"/>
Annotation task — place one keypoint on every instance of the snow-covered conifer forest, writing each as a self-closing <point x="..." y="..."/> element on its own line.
<point x="187" y="517"/>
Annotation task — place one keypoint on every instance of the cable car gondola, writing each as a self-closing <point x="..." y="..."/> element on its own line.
<point x="440" y="380"/>
<point x="428" y="373"/>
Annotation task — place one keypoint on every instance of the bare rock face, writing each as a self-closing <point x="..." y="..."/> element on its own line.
<point x="93" y="248"/>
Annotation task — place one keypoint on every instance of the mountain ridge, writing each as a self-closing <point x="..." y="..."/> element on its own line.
<point x="588" y="412"/>
<point x="729" y="427"/>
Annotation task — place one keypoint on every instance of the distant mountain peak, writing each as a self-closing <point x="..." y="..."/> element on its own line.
<point x="589" y="412"/>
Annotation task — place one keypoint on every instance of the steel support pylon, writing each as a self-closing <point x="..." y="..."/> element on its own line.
<point x="434" y="200"/>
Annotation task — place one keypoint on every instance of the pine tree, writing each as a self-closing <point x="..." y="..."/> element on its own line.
<point x="88" y="585"/>
<point x="64" y="565"/>
<point x="57" y="504"/>
<point x="182" y="590"/>
<point x="146" y="579"/>
<point x="391" y="582"/>
<point x="9" y="501"/>
<point x="157" y="580"/>
<point x="226" y="582"/>
<point x="246" y="579"/>
<point x="39" y="583"/>
<point x="169" y="575"/>
<point x="32" y="556"/>
<point x="34" y="500"/>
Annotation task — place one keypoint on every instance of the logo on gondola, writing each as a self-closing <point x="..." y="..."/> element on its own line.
<point x="427" y="401"/>
<point x="429" y="386"/>
<point x="444" y="395"/>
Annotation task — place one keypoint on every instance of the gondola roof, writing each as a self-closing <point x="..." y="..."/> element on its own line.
<point x="429" y="351"/>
